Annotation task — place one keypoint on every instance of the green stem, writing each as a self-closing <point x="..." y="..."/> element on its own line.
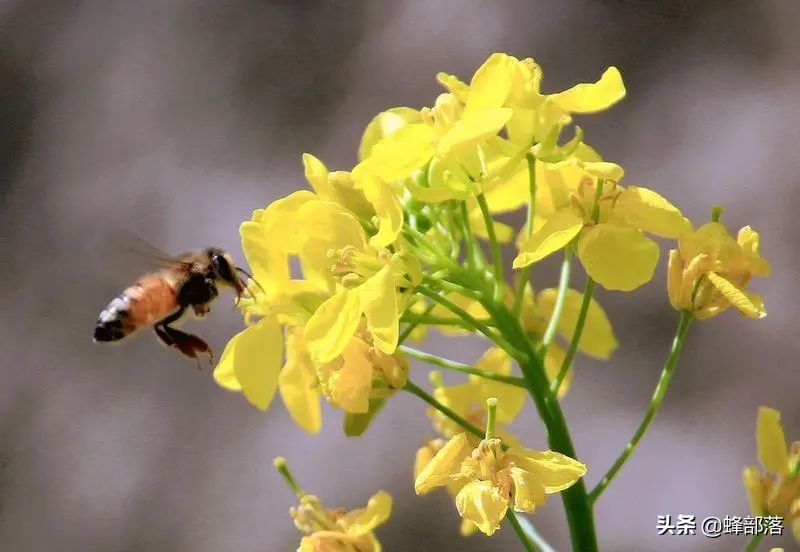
<point x="521" y="534"/>
<point x="795" y="471"/>
<point x="576" y="338"/>
<point x="753" y="543"/>
<point x="652" y="410"/>
<point x="417" y="319"/>
<point x="412" y="388"/>
<point x="497" y="258"/>
<point x="563" y="285"/>
<point x="524" y="274"/>
<point x="460" y="367"/>
<point x="474" y="253"/>
<point x="576" y="502"/>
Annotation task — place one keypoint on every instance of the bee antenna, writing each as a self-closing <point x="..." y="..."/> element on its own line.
<point x="250" y="276"/>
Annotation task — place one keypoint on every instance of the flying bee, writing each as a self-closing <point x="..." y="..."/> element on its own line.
<point x="161" y="298"/>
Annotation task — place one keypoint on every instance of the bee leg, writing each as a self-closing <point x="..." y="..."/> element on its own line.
<point x="189" y="345"/>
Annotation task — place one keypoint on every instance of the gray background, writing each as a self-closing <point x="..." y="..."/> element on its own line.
<point x="174" y="119"/>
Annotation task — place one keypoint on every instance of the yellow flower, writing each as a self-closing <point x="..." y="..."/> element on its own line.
<point x="607" y="225"/>
<point x="495" y="480"/>
<point x="776" y="492"/>
<point x="510" y="82"/>
<point x="710" y="270"/>
<point x="338" y="530"/>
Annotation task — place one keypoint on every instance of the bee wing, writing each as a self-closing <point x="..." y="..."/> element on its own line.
<point x="125" y="256"/>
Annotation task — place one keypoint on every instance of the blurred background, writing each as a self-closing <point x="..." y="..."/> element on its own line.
<point x="173" y="119"/>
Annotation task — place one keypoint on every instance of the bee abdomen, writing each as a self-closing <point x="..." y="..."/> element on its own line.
<point x="111" y="324"/>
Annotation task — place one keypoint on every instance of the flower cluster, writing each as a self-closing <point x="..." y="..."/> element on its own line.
<point x="368" y="260"/>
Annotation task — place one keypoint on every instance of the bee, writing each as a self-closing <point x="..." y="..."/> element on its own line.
<point x="161" y="298"/>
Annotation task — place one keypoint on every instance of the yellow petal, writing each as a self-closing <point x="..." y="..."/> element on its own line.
<point x="616" y="257"/>
<point x="379" y="303"/>
<point x="445" y="463"/>
<point x="266" y="241"/>
<point x="749" y="240"/>
<point x="592" y="97"/>
<point x="755" y="491"/>
<point x="399" y="154"/>
<point x="385" y="124"/>
<point x="556" y="233"/>
<point x="528" y="490"/>
<point x="736" y="296"/>
<point x="454" y="85"/>
<point x="491" y="84"/>
<point x="298" y="384"/>
<point x="604" y="170"/>
<point x="317" y="176"/>
<point x="387" y="209"/>
<point x="510" y="399"/>
<point x="772" y="451"/>
<point x="597" y="339"/>
<point x="473" y="129"/>
<point x="553" y="470"/>
<point x="481" y="503"/>
<point x="362" y="521"/>
<point x="330" y="328"/>
<point x="351" y="383"/>
<point x="254" y="356"/>
<point x="646" y="210"/>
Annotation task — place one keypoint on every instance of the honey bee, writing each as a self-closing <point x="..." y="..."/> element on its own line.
<point x="161" y="298"/>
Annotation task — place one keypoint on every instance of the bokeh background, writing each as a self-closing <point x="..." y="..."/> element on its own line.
<point x="173" y="119"/>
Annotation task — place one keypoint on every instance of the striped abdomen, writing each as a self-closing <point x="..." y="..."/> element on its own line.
<point x="146" y="302"/>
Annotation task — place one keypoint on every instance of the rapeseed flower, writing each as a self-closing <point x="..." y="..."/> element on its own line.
<point x="495" y="479"/>
<point x="777" y="491"/>
<point x="710" y="270"/>
<point x="605" y="220"/>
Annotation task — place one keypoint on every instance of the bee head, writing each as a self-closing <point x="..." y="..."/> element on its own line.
<point x="224" y="269"/>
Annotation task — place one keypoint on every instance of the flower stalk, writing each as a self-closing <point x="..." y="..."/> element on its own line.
<point x="655" y="404"/>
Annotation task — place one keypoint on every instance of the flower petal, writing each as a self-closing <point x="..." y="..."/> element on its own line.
<point x="616" y="257"/>
<point x="385" y="124"/>
<point x="350" y="384"/>
<point x="331" y="327"/>
<point x="592" y="97"/>
<point x="379" y="304"/>
<point x="772" y="451"/>
<point x="481" y="503"/>
<point x="254" y="356"/>
<point x="553" y="470"/>
<point x="387" y="209"/>
<point x="557" y="232"/>
<point x="646" y="210"/>
<point x="491" y="83"/>
<point x="398" y="155"/>
<point x="473" y="129"/>
<point x="597" y="339"/>
<point x="528" y="490"/>
<point x="445" y="463"/>
<point x="737" y="297"/>
<point x="298" y="384"/>
<point x="362" y="521"/>
<point x="755" y="490"/>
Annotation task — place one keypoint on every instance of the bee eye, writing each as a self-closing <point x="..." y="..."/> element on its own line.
<point x="223" y="268"/>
